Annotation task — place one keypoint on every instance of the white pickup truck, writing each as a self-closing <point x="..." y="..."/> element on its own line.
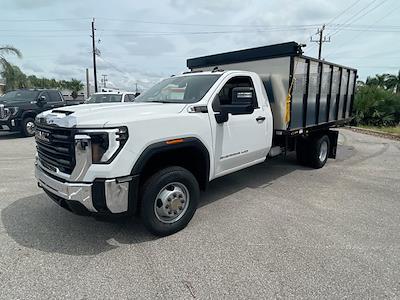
<point x="153" y="156"/>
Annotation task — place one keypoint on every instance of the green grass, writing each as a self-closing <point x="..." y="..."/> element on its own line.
<point x="393" y="130"/>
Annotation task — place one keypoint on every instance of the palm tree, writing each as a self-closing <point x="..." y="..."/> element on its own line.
<point x="74" y="85"/>
<point x="4" y="64"/>
<point x="378" y="80"/>
<point x="393" y="82"/>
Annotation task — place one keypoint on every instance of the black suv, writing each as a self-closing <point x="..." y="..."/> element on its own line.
<point x="19" y="108"/>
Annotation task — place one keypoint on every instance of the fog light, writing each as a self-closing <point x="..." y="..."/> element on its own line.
<point x="13" y="123"/>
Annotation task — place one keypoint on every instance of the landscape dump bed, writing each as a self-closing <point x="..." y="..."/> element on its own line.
<point x="304" y="92"/>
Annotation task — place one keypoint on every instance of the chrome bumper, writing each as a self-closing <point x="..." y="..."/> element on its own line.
<point x="116" y="191"/>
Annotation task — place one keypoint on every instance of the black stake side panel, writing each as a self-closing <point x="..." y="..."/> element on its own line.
<point x="323" y="93"/>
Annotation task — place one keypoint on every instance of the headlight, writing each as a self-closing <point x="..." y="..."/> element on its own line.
<point x="10" y="112"/>
<point x="13" y="110"/>
<point x="107" y="143"/>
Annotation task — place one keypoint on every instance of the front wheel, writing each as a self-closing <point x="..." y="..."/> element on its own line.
<point x="169" y="200"/>
<point x="28" y="127"/>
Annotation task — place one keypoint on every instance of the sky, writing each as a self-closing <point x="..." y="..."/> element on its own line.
<point x="144" y="41"/>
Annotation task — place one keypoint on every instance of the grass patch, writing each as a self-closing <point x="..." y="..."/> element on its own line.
<point x="393" y="130"/>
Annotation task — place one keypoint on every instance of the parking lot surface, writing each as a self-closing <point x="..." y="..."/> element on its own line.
<point x="276" y="230"/>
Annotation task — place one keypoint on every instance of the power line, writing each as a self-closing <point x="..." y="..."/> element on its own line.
<point x="351" y="20"/>
<point x="343" y="12"/>
<point x="43" y="20"/>
<point x="367" y="29"/>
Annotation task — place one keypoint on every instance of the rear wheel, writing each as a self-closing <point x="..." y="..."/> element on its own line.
<point x="319" y="151"/>
<point x="28" y="127"/>
<point x="169" y="200"/>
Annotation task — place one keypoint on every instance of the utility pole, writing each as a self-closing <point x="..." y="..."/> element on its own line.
<point x="104" y="80"/>
<point x="94" y="58"/>
<point x="322" y="39"/>
<point x="87" y="83"/>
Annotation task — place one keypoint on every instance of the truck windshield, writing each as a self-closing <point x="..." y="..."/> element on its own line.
<point x="104" y="98"/>
<point x="183" y="89"/>
<point x="15" y="96"/>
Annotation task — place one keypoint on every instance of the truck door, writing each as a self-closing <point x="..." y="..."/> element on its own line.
<point x="241" y="139"/>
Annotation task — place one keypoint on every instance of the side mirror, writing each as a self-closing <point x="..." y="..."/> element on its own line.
<point x="221" y="117"/>
<point x="243" y="96"/>
<point x="41" y="100"/>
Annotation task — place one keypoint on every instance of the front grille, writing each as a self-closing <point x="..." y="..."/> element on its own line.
<point x="55" y="147"/>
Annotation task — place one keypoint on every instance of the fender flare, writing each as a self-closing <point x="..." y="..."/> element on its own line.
<point x="29" y="112"/>
<point x="160" y="147"/>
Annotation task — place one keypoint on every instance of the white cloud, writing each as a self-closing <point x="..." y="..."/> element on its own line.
<point x="129" y="56"/>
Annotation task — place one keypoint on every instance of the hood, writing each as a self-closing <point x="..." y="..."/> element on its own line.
<point x="15" y="103"/>
<point x="106" y="114"/>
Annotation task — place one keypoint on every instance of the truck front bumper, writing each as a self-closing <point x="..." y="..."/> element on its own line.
<point x="103" y="196"/>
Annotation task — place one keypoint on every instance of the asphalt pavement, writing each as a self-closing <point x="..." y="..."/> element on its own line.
<point x="276" y="230"/>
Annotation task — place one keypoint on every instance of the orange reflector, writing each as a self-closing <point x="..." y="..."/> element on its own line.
<point x="172" y="142"/>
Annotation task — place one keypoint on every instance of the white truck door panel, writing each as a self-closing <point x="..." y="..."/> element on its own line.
<point x="241" y="141"/>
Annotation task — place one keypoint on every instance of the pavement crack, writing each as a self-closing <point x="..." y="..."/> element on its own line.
<point x="190" y="288"/>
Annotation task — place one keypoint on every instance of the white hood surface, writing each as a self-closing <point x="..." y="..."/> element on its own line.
<point x="107" y="114"/>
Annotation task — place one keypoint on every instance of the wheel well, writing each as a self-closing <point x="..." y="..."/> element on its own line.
<point x="191" y="157"/>
<point x="29" y="114"/>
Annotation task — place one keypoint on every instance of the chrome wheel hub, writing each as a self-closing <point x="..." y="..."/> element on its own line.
<point x="171" y="202"/>
<point x="30" y="127"/>
<point x="323" y="151"/>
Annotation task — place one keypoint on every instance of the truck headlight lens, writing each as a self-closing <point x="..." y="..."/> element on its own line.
<point x="13" y="110"/>
<point x="10" y="112"/>
<point x="107" y="143"/>
<point x="99" y="146"/>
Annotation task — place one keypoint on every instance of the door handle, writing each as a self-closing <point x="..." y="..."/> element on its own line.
<point x="260" y="119"/>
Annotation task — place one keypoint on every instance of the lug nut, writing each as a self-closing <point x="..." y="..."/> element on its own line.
<point x="182" y="201"/>
<point x="167" y="206"/>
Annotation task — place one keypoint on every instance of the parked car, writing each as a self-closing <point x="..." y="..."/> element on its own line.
<point x="229" y="112"/>
<point x="107" y="97"/>
<point x="19" y="108"/>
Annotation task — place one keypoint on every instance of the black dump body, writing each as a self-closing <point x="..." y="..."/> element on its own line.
<point x="322" y="92"/>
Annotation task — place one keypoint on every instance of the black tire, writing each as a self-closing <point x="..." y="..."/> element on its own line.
<point x="302" y="152"/>
<point x="26" y="127"/>
<point x="318" y="152"/>
<point x="161" y="181"/>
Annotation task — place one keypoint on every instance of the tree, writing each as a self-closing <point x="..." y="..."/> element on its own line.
<point x="15" y="78"/>
<point x="378" y="80"/>
<point x="376" y="106"/>
<point x="75" y="86"/>
<point x="4" y="64"/>
<point x="393" y="82"/>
